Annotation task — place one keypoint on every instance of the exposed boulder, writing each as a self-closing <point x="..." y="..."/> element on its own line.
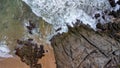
<point x="30" y="53"/>
<point x="112" y="29"/>
<point x="82" y="47"/>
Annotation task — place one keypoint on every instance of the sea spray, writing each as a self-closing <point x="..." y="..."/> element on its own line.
<point x="62" y="12"/>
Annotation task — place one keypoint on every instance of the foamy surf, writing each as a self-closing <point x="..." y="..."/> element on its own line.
<point x="62" y="12"/>
<point x="4" y="50"/>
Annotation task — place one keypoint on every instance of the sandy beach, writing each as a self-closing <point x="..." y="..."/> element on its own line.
<point x="48" y="61"/>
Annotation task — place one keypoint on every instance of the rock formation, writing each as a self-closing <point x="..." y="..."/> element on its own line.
<point x="30" y="53"/>
<point x="82" y="47"/>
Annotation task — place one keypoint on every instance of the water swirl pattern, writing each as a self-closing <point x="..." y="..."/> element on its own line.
<point x="62" y="12"/>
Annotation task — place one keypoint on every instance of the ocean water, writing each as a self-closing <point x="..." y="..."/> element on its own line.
<point x="14" y="14"/>
<point x="4" y="50"/>
<point x="10" y="26"/>
<point x="62" y="12"/>
<point x="48" y="15"/>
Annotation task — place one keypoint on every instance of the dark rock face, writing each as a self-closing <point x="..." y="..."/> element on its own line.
<point x="30" y="53"/>
<point x="112" y="29"/>
<point x="115" y="14"/>
<point x="97" y="15"/>
<point x="82" y="47"/>
<point x="31" y="26"/>
<point x="118" y="2"/>
<point x="112" y="3"/>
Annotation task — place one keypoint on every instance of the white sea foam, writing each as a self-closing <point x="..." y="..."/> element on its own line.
<point x="4" y="50"/>
<point x="62" y="12"/>
<point x="117" y="7"/>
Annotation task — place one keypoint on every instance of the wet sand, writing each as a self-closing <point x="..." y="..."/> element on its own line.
<point x="12" y="63"/>
<point x="48" y="61"/>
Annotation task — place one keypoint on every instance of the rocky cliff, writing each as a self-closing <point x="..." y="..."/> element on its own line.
<point x="82" y="47"/>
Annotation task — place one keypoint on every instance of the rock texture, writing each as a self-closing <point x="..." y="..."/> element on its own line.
<point x="30" y="53"/>
<point x="35" y="54"/>
<point x="83" y="47"/>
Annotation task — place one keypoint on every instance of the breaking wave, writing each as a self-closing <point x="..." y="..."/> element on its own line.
<point x="62" y="12"/>
<point x="4" y="50"/>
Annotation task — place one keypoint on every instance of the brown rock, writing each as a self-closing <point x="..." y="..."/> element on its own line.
<point x="82" y="47"/>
